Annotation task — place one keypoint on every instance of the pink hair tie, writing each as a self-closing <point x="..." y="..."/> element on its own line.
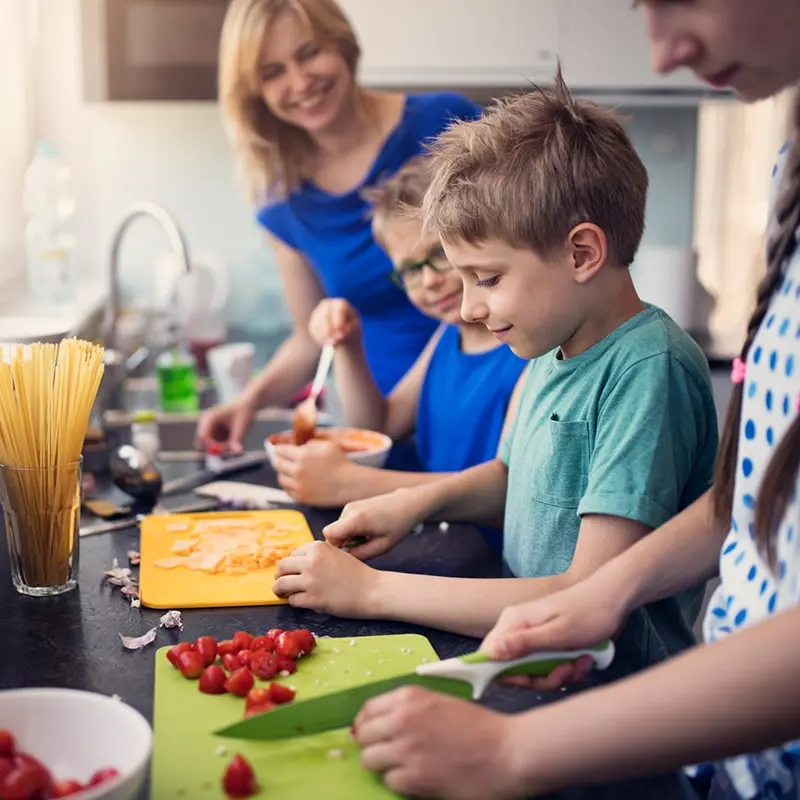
<point x="738" y="371"/>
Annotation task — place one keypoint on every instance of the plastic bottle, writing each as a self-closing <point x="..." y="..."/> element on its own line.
<point x="49" y="241"/>
<point x="177" y="381"/>
<point x="144" y="433"/>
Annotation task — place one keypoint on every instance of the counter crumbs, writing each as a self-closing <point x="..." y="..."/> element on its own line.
<point x="368" y="673"/>
<point x="352" y="643"/>
<point x="284" y="673"/>
<point x="335" y="753"/>
<point x="221" y="750"/>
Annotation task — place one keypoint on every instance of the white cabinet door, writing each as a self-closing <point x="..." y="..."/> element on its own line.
<point x="604" y="46"/>
<point x="456" y="42"/>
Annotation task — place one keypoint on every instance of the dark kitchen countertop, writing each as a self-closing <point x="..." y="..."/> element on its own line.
<point x="71" y="641"/>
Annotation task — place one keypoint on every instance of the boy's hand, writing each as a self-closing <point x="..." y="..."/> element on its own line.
<point x="322" y="578"/>
<point x="426" y="744"/>
<point x="383" y="521"/>
<point x="314" y="474"/>
<point x="334" y="320"/>
<point x="581" y="616"/>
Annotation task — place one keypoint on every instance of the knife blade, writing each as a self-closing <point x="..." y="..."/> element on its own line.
<point x="465" y="677"/>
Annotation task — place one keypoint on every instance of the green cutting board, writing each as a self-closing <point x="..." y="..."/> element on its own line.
<point x="186" y="762"/>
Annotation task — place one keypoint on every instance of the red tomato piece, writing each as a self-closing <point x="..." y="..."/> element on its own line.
<point x="207" y="647"/>
<point x="281" y="694"/>
<point x="264" y="665"/>
<point x="239" y="779"/>
<point x="305" y="641"/>
<point x="190" y="664"/>
<point x="227" y="646"/>
<point x="240" y="682"/>
<point x="274" y="632"/>
<point x="244" y="657"/>
<point x="286" y="646"/>
<point x="7" y="744"/>
<point x="27" y="779"/>
<point x="212" y="681"/>
<point x="259" y="709"/>
<point x="174" y="653"/>
<point x="6" y="764"/>
<point x="66" y="788"/>
<point x="243" y="638"/>
<point x="231" y="661"/>
<point x="256" y="696"/>
<point x="262" y="643"/>
<point x="103" y="776"/>
<point x="287" y="665"/>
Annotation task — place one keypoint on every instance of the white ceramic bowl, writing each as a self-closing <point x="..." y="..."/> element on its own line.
<point x="374" y="454"/>
<point x="75" y="733"/>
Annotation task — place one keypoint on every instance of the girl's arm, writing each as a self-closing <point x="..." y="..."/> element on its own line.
<point x="736" y="696"/>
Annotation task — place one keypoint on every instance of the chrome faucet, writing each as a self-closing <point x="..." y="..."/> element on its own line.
<point x="176" y="240"/>
<point x="120" y="365"/>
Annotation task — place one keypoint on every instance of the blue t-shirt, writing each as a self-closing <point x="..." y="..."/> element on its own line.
<point x="333" y="232"/>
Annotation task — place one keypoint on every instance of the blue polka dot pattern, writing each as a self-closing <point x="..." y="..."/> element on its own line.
<point x="729" y="548"/>
<point x="751" y="529"/>
<point x="787" y="405"/>
<point x="752" y="389"/>
<point x="773" y="601"/>
<point x="749" y="501"/>
<point x="734" y="525"/>
<point x="782" y="570"/>
<point x="784" y="327"/>
<point x="789" y="365"/>
<point x="773" y="360"/>
<point x="720" y="613"/>
<point x="770" y="321"/>
<point x="764" y="585"/>
<point x="770" y="437"/>
<point x="758" y="351"/>
<point x="740" y="617"/>
<point x="768" y="399"/>
<point x="738" y="560"/>
<point x="751" y="575"/>
<point x="750" y="429"/>
<point x="747" y="467"/>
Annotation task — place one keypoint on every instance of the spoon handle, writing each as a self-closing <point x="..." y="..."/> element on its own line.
<point x="325" y="361"/>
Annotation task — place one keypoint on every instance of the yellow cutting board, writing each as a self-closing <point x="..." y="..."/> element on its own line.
<point x="181" y="587"/>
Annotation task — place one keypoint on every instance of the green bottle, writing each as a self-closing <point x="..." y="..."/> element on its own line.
<point x="177" y="381"/>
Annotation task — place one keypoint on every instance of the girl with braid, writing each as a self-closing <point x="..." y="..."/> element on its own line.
<point x="730" y="708"/>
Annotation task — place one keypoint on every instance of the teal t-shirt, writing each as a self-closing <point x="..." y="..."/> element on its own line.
<point x="627" y="428"/>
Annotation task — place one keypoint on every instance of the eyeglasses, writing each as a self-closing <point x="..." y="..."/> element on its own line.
<point x="408" y="275"/>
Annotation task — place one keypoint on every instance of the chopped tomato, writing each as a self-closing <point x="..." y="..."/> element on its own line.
<point x="262" y="643"/>
<point x="174" y="653"/>
<point x="7" y="743"/>
<point x="66" y="788"/>
<point x="287" y="665"/>
<point x="231" y="661"/>
<point x="256" y="696"/>
<point x="264" y="665"/>
<point x="244" y="657"/>
<point x="305" y="641"/>
<point x="27" y="779"/>
<point x="227" y="646"/>
<point x="239" y="780"/>
<point x="286" y="646"/>
<point x="240" y="682"/>
<point x="280" y="694"/>
<point x="6" y="764"/>
<point x="103" y="776"/>
<point x="243" y="638"/>
<point x="212" y="681"/>
<point x="190" y="664"/>
<point x="207" y="647"/>
<point x="274" y="632"/>
<point x="259" y="709"/>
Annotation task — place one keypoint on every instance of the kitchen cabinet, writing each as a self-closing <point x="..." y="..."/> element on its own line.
<point x="464" y="43"/>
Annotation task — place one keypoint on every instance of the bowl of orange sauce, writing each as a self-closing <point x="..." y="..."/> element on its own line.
<point x="368" y="448"/>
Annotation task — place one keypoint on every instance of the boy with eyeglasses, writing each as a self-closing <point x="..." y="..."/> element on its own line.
<point x="455" y="397"/>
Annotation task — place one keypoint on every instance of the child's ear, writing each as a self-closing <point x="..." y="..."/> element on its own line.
<point x="588" y="251"/>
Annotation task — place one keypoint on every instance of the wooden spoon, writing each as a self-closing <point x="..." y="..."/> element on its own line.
<point x="304" y="423"/>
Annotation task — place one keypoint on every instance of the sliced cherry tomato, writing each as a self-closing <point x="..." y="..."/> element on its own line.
<point x="280" y="694"/>
<point x="262" y="643"/>
<point x="27" y="779"/>
<point x="244" y="657"/>
<point x="6" y="764"/>
<point x="231" y="661"/>
<point x="256" y="696"/>
<point x="174" y="653"/>
<point x="66" y="788"/>
<point x="305" y="641"/>
<point x="259" y="709"/>
<point x="207" y="647"/>
<point x="7" y="744"/>
<point x="103" y="776"/>
<point x="240" y="682"/>
<point x="227" y="646"/>
<point x="243" y="638"/>
<point x="212" y="681"/>
<point x="286" y="646"/>
<point x="274" y="633"/>
<point x="287" y="665"/>
<point x="239" y="780"/>
<point x="190" y="664"/>
<point x="264" y="665"/>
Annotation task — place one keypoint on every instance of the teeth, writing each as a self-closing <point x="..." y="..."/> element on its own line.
<point x="310" y="102"/>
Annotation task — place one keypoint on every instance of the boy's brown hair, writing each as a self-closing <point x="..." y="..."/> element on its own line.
<point x="531" y="169"/>
<point x="400" y="195"/>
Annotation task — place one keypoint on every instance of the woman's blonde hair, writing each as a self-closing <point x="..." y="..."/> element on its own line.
<point x="268" y="151"/>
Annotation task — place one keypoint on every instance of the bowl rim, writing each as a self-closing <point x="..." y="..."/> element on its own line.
<point x="101" y="700"/>
<point x="387" y="440"/>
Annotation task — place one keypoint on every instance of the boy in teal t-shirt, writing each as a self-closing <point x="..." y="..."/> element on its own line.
<point x="540" y="206"/>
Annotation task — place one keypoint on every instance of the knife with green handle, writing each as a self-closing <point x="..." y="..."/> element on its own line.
<point x="466" y="676"/>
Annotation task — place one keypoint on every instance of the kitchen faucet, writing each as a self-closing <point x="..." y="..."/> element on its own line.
<point x="118" y="364"/>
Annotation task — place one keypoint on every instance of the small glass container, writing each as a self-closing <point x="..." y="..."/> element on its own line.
<point x="144" y="434"/>
<point x="42" y="512"/>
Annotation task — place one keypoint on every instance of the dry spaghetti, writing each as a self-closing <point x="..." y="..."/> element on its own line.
<point x="46" y="396"/>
